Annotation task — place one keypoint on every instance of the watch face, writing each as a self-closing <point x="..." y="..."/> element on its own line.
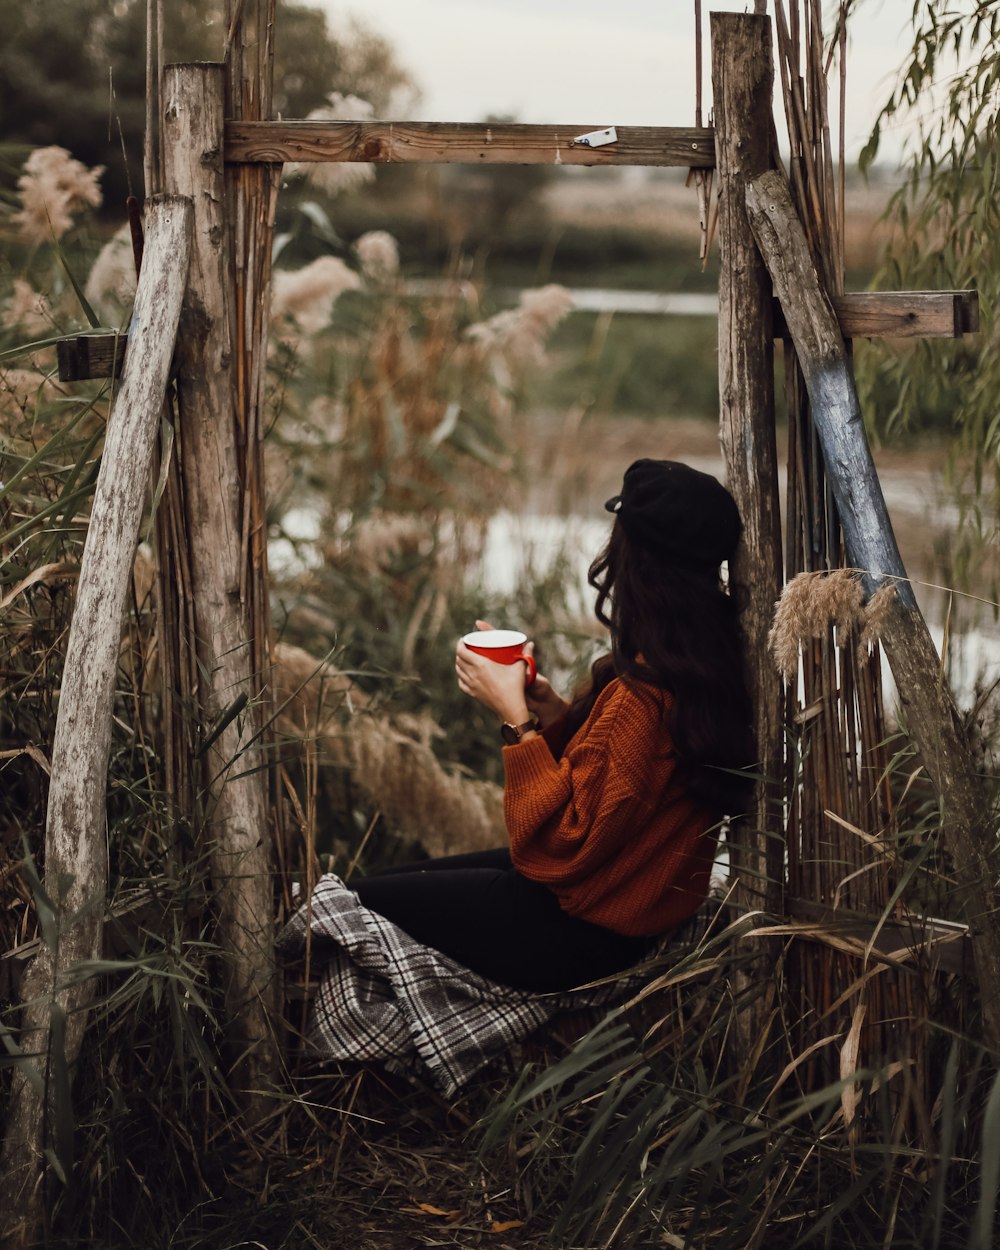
<point x="510" y="734"/>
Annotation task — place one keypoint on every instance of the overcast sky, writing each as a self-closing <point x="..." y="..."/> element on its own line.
<point x="600" y="62"/>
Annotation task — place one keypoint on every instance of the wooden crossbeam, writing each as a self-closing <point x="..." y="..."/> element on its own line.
<point x="862" y="314"/>
<point x="900" y="314"/>
<point x="91" y="356"/>
<point x="471" y="143"/>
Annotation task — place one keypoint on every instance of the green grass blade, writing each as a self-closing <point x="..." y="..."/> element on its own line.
<point x="984" y="1220"/>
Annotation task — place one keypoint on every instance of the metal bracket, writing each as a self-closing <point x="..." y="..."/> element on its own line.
<point x="597" y="138"/>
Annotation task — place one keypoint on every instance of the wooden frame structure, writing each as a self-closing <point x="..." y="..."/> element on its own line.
<point x="219" y="152"/>
<point x="738" y="148"/>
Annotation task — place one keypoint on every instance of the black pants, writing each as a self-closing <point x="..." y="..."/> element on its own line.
<point x="479" y="910"/>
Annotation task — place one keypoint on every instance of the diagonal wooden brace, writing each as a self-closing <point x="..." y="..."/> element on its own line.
<point x="932" y="718"/>
<point x="55" y="991"/>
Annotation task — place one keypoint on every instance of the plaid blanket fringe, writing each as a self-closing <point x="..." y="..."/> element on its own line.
<point x="382" y="996"/>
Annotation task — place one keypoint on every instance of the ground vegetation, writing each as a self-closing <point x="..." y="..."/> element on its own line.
<point x="399" y="426"/>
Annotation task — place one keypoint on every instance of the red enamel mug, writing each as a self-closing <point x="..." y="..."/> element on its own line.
<point x="502" y="646"/>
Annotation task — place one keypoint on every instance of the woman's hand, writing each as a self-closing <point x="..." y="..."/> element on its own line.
<point x="499" y="687"/>
<point x="541" y="699"/>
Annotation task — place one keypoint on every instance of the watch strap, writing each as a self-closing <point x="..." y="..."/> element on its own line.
<point x="512" y="734"/>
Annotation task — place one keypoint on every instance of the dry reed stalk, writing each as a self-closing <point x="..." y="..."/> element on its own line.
<point x="325" y="715"/>
<point x="824" y="640"/>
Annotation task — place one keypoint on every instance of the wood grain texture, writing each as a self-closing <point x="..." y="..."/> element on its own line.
<point x="76" y="863"/>
<point x="929" y="711"/>
<point x="815" y="332"/>
<point x="899" y="314"/>
<point x="235" y="788"/>
<point x="471" y="143"/>
<point x="91" y="356"/>
<point x="742" y="75"/>
<point x="860" y="314"/>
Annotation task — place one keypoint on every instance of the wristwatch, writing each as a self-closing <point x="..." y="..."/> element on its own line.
<point x="512" y="734"/>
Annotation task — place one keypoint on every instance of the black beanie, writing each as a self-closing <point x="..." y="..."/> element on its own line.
<point x="678" y="513"/>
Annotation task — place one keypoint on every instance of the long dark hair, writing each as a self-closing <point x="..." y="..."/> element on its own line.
<point x="677" y="628"/>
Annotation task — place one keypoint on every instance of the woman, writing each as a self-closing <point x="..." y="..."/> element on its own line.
<point x="613" y="801"/>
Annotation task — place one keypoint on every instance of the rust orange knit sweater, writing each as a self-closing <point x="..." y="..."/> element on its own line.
<point x="605" y="823"/>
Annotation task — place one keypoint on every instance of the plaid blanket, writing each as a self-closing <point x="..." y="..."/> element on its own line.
<point x="382" y="996"/>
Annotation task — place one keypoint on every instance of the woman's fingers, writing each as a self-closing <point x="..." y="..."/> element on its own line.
<point x="499" y="687"/>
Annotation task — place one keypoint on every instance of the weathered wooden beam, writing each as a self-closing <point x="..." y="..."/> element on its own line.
<point x="76" y="863"/>
<point x="932" y="719"/>
<point x="899" y="314"/>
<point x="470" y="143"/>
<point x="91" y="356"/>
<point x="922" y="940"/>
<point x="237" y="831"/>
<point x="742" y="78"/>
<point x="860" y="314"/>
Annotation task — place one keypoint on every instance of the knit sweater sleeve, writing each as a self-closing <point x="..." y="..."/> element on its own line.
<point x="567" y="817"/>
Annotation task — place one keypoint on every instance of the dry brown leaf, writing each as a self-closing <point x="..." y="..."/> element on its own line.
<point x="426" y="1208"/>
<point x="850" y="1095"/>
<point x="32" y="753"/>
<point x="46" y="573"/>
<point x="504" y="1226"/>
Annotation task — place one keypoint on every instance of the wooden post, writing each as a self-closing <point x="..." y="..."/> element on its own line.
<point x="76" y="860"/>
<point x="235" y="786"/>
<point x="932" y="719"/>
<point x="742" y="77"/>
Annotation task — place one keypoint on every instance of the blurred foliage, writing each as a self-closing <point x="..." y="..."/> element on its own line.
<point x="395" y="443"/>
<point x="947" y="218"/>
<point x="631" y="363"/>
<point x="73" y="73"/>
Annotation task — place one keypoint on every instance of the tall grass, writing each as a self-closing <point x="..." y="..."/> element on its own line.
<point x="392" y="422"/>
<point x="651" y="1131"/>
<point x="395" y="430"/>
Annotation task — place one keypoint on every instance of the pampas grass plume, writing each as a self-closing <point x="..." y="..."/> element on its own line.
<point x="389" y="759"/>
<point x="518" y="335"/>
<point x="26" y="308"/>
<point x="378" y="255"/>
<point x="20" y="389"/>
<point x="307" y="295"/>
<point x="444" y="811"/>
<point x="808" y="605"/>
<point x="876" y="611"/>
<point x="111" y="282"/>
<point x="53" y="187"/>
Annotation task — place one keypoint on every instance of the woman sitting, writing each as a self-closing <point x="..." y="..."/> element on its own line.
<point x="613" y="801"/>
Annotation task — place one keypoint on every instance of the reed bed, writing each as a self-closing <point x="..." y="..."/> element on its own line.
<point x="402" y="454"/>
<point x="867" y="1114"/>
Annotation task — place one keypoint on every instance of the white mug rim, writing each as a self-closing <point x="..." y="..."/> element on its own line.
<point x="495" y="638"/>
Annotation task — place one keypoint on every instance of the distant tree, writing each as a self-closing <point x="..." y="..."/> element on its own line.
<point x="71" y="71"/>
<point x="947" y="214"/>
<point x="310" y="62"/>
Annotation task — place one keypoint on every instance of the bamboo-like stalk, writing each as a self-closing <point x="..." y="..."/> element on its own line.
<point x="843" y="753"/>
